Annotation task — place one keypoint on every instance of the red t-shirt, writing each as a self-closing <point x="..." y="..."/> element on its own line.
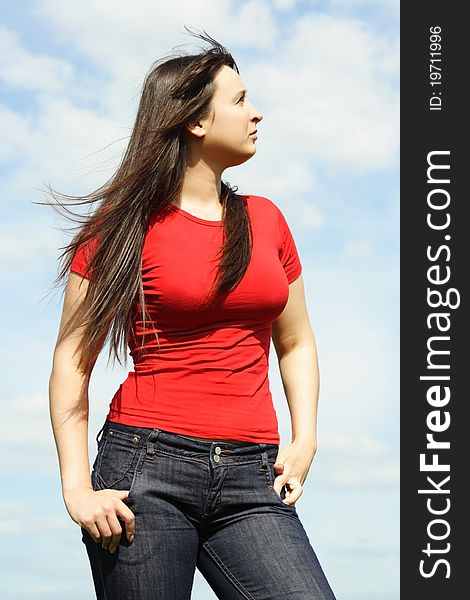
<point x="209" y="375"/>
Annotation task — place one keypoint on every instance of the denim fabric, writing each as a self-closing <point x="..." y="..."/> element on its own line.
<point x="204" y="504"/>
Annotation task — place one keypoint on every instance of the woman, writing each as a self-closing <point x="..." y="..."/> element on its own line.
<point x="188" y="471"/>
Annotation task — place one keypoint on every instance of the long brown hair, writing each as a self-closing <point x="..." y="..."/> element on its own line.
<point x="176" y="91"/>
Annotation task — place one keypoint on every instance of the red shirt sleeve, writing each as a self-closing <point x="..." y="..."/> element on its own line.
<point x="288" y="252"/>
<point x="81" y="258"/>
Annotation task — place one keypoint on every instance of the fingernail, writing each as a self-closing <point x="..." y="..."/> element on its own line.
<point x="112" y="550"/>
<point x="131" y="538"/>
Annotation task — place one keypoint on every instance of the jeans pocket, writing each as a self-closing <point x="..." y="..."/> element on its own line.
<point x="270" y="476"/>
<point x="117" y="459"/>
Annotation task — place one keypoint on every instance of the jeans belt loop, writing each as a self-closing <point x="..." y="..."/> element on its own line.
<point x="151" y="439"/>
<point x="99" y="433"/>
<point x="264" y="457"/>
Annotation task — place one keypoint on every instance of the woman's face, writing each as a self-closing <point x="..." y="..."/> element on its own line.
<point x="225" y="134"/>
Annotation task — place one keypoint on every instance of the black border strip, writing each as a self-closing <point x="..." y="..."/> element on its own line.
<point x="434" y="272"/>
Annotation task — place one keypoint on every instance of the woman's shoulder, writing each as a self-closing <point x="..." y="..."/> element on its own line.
<point x="261" y="204"/>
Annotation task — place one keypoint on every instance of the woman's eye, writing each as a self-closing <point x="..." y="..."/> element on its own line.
<point x="242" y="98"/>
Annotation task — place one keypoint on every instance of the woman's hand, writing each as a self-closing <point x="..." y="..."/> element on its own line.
<point x="96" y="511"/>
<point x="291" y="469"/>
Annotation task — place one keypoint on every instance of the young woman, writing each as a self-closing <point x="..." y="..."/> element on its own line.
<point x="195" y="279"/>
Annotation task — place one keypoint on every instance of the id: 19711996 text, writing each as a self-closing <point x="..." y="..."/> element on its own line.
<point x="435" y="68"/>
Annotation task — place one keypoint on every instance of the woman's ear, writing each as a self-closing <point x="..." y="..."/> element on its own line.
<point x="196" y="128"/>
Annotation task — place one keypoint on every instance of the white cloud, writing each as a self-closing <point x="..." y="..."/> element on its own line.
<point x="358" y="249"/>
<point x="23" y="70"/>
<point x="357" y="460"/>
<point x="34" y="450"/>
<point x="358" y="369"/>
<point x="14" y="509"/>
<point x="352" y="445"/>
<point x="365" y="475"/>
<point x="295" y="179"/>
<point x="53" y="148"/>
<point x="285" y="4"/>
<point x="308" y="214"/>
<point x="330" y="95"/>
<point x="15" y="130"/>
<point x="324" y="84"/>
<point x="31" y="523"/>
<point x="31" y="411"/>
<point x="31" y="242"/>
<point x="150" y="28"/>
<point x="389" y="6"/>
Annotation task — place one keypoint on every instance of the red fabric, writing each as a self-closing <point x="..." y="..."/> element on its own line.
<point x="209" y="375"/>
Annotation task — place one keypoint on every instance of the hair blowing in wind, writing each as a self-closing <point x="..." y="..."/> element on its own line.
<point x="177" y="90"/>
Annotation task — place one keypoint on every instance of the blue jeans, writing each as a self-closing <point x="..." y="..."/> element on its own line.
<point x="204" y="504"/>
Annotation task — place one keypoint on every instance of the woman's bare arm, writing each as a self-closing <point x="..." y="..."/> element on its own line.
<point x="296" y="350"/>
<point x="68" y="397"/>
<point x="295" y="346"/>
<point x="96" y="511"/>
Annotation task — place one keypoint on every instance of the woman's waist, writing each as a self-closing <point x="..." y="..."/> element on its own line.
<point x="150" y="385"/>
<point x="170" y="441"/>
<point x="198" y="409"/>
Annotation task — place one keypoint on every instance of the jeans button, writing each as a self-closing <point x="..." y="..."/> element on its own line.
<point x="216" y="458"/>
<point x="218" y="450"/>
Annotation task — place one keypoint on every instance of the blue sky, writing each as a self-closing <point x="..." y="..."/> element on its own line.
<point x="325" y="75"/>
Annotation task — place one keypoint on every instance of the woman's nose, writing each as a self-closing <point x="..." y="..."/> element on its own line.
<point x="257" y="116"/>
